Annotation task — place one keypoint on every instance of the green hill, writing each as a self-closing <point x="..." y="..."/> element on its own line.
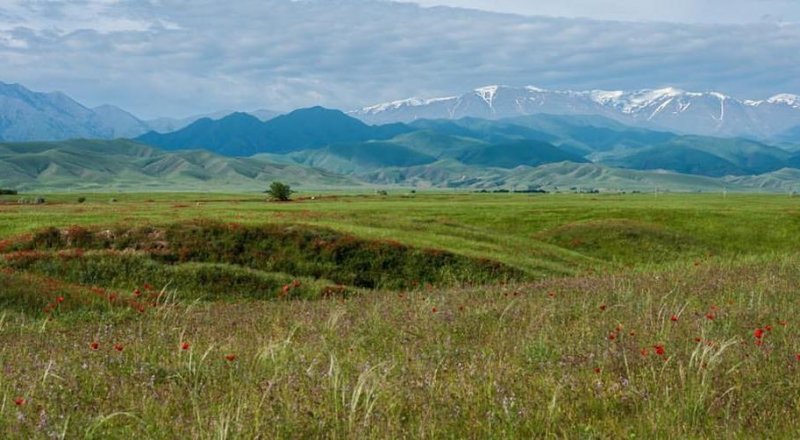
<point x="127" y="165"/>
<point x="706" y="156"/>
<point x="517" y="153"/>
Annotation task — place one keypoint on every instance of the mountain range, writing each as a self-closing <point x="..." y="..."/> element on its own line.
<point x="324" y="147"/>
<point x="123" y="165"/>
<point x="26" y="115"/>
<point x="670" y="109"/>
<point x="241" y="134"/>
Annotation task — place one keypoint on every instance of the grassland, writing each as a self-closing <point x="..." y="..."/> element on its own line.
<point x="601" y="317"/>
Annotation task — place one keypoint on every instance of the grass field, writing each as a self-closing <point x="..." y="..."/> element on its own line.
<point x="413" y="315"/>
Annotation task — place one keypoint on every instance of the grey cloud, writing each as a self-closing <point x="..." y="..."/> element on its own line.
<point x="203" y="55"/>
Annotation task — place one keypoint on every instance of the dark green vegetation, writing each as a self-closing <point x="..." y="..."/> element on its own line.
<point x="279" y="191"/>
<point x="218" y="316"/>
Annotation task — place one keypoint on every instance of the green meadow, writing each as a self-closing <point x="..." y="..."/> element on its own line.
<point x="409" y="315"/>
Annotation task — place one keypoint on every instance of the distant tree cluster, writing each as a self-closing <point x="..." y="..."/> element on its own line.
<point x="8" y="192"/>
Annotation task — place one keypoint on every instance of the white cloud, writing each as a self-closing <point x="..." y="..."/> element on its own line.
<point x="177" y="57"/>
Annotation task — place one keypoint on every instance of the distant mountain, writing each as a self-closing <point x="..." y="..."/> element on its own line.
<point x="541" y="139"/>
<point x="26" y="115"/>
<point x="167" y="125"/>
<point x="517" y="153"/>
<point x="240" y="134"/>
<point x="126" y="165"/>
<point x="361" y="157"/>
<point x="706" y="156"/>
<point x="122" y="165"/>
<point x="671" y="109"/>
<point x="791" y="135"/>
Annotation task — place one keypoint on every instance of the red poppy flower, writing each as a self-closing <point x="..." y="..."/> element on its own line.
<point x="60" y="299"/>
<point x="185" y="346"/>
<point x="710" y="316"/>
<point x="433" y="310"/>
<point x="137" y="293"/>
<point x="612" y="336"/>
<point x="147" y="287"/>
<point x="697" y="339"/>
<point x="551" y="294"/>
<point x="659" y="350"/>
<point x="768" y="328"/>
<point x="797" y="356"/>
<point x="632" y="333"/>
<point x="94" y="345"/>
<point x="19" y="401"/>
<point x="644" y="352"/>
<point x="758" y="333"/>
<point x="597" y="370"/>
<point x="230" y="357"/>
<point x="602" y="307"/>
<point x="674" y="318"/>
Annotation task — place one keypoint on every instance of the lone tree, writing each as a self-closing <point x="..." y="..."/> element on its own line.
<point x="279" y="191"/>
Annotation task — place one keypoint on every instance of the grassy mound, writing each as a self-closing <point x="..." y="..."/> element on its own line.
<point x="219" y="254"/>
<point x="624" y="240"/>
<point x="128" y="271"/>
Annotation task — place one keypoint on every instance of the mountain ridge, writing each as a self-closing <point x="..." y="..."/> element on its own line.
<point x="26" y="115"/>
<point x="673" y="109"/>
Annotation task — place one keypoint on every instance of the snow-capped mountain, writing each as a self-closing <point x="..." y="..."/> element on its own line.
<point x="708" y="113"/>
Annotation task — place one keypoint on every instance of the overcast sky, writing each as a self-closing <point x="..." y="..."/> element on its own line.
<point x="677" y="11"/>
<point x="182" y="57"/>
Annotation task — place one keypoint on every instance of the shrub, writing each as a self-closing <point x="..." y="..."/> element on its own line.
<point x="279" y="191"/>
<point x="7" y="192"/>
<point x="81" y="199"/>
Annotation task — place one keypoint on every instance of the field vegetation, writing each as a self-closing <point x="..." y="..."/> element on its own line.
<point x="400" y="316"/>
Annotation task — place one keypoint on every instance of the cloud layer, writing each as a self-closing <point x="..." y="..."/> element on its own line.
<point x="679" y="11"/>
<point x="177" y="57"/>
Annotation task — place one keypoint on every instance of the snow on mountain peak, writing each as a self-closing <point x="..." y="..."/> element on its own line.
<point x="535" y="89"/>
<point x="487" y="94"/>
<point x="410" y="102"/>
<point x="606" y="96"/>
<point x="786" y="99"/>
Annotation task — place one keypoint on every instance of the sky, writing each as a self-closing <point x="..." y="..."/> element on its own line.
<point x="185" y="57"/>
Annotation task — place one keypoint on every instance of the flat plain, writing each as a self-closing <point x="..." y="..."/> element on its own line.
<point x="419" y="315"/>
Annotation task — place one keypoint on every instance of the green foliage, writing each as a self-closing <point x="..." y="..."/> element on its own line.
<point x="279" y="191"/>
<point x="7" y="192"/>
